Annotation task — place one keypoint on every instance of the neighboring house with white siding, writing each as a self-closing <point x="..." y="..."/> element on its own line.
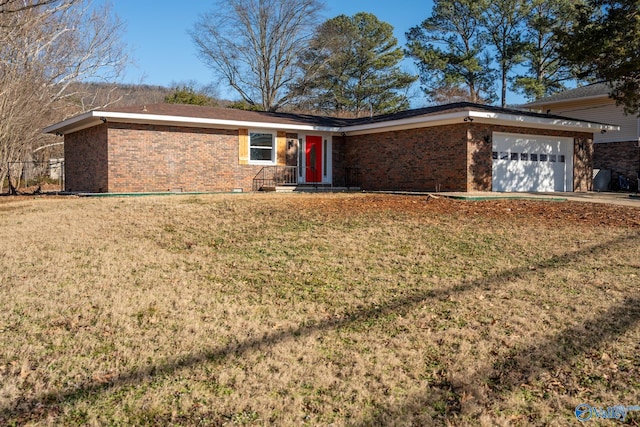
<point x="617" y="152"/>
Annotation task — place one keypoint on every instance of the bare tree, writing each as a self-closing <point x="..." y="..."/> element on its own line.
<point x="252" y="45"/>
<point x="12" y="6"/>
<point x="44" y="49"/>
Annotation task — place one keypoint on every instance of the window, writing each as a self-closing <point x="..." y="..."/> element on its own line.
<point x="524" y="156"/>
<point x="494" y="155"/>
<point x="514" y="156"/>
<point x="261" y="147"/>
<point x="533" y="157"/>
<point x="504" y="155"/>
<point x="561" y="158"/>
<point x="543" y="157"/>
<point x="552" y="157"/>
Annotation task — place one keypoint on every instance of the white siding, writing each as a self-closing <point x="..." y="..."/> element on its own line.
<point x="601" y="111"/>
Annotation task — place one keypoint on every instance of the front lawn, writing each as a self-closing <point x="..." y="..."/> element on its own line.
<point x="315" y="310"/>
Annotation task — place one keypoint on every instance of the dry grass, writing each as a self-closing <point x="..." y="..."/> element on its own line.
<point x="315" y="309"/>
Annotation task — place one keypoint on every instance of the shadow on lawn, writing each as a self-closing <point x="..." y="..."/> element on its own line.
<point x="616" y="321"/>
<point x="510" y="372"/>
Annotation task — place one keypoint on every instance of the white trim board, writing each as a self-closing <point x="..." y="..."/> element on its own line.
<point x="94" y="118"/>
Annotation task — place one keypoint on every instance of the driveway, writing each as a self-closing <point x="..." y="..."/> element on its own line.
<point x="622" y="199"/>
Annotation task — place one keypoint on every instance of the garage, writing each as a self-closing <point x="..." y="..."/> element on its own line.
<point x="531" y="163"/>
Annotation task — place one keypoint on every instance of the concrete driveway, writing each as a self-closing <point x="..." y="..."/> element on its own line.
<point x="623" y="199"/>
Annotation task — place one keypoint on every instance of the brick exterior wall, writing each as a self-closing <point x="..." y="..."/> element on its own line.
<point x="338" y="160"/>
<point x="148" y="158"/>
<point x="85" y="155"/>
<point x="448" y="158"/>
<point x="413" y="160"/>
<point x="583" y="163"/>
<point x="479" y="161"/>
<point x="623" y="158"/>
<point x="167" y="158"/>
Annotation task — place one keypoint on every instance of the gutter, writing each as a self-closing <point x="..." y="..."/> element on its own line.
<point x="560" y="101"/>
<point x="94" y="118"/>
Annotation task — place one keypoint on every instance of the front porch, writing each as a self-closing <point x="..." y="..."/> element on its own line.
<point x="296" y="179"/>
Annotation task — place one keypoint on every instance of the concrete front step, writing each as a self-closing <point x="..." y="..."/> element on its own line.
<point x="310" y="188"/>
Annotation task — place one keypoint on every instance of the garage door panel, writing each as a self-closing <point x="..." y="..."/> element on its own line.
<point x="520" y="176"/>
<point x="532" y="163"/>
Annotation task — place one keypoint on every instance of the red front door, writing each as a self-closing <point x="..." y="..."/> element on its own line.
<point x="314" y="159"/>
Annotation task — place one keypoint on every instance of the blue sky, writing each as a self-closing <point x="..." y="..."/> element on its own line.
<point x="163" y="52"/>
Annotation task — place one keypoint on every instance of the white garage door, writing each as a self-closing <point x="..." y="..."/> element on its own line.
<point x="532" y="163"/>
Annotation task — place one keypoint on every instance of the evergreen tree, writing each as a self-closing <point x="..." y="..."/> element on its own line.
<point x="351" y="68"/>
<point x="604" y="43"/>
<point x="547" y="70"/>
<point x="188" y="95"/>
<point x="449" y="50"/>
<point x="503" y="21"/>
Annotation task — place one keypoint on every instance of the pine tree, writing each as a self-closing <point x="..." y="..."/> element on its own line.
<point x="604" y="43"/>
<point x="546" y="69"/>
<point x="352" y="68"/>
<point x="449" y="50"/>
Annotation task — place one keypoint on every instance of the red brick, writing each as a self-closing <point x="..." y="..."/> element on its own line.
<point x="149" y="158"/>
<point x="623" y="158"/>
<point x="448" y="158"/>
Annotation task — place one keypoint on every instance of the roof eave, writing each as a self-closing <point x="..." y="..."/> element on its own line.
<point x="413" y="122"/>
<point x="75" y="123"/>
<point x="480" y="117"/>
<point x="93" y="118"/>
<point x="555" y="123"/>
<point x="541" y="103"/>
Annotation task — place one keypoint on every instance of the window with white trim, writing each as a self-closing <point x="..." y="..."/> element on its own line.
<point x="262" y="147"/>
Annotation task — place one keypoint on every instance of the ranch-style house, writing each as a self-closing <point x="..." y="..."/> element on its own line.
<point x="454" y="147"/>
